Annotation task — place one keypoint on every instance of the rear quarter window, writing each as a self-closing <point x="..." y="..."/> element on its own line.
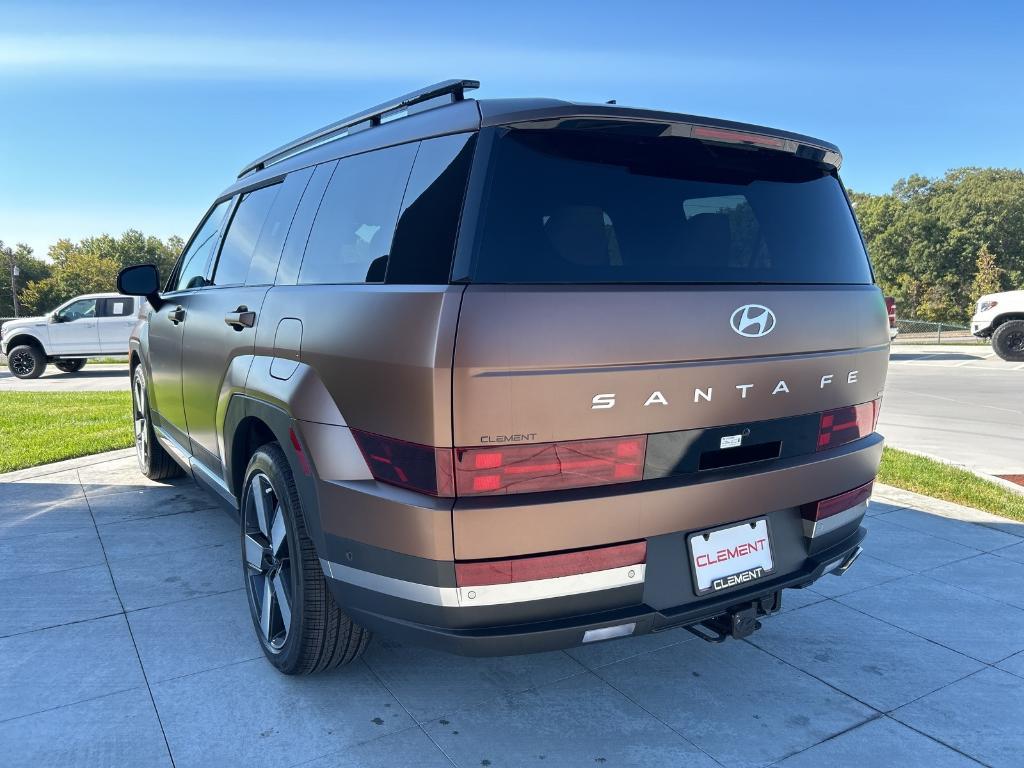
<point x="588" y="207"/>
<point x="351" y="235"/>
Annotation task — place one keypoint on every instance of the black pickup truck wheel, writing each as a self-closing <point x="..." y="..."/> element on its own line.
<point x="1008" y="341"/>
<point x="26" y="362"/>
<point x="70" y="366"/>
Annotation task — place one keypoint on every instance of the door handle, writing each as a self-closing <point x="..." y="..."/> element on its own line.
<point x="176" y="315"/>
<point x="241" y="318"/>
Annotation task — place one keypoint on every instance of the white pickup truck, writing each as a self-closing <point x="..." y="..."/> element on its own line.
<point x="1000" y="316"/>
<point x="86" y="326"/>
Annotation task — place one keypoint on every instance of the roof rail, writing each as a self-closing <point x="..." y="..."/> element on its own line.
<point x="456" y="88"/>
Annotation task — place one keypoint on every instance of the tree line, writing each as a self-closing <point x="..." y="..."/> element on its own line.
<point x="73" y="268"/>
<point x="936" y="245"/>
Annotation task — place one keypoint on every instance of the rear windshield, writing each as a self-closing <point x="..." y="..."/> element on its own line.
<point x="564" y="206"/>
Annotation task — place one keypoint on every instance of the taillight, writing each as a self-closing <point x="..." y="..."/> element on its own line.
<point x="482" y="573"/>
<point x="844" y="425"/>
<point x="890" y="308"/>
<point x="525" y="468"/>
<point x="409" y="465"/>
<point x="826" y="508"/>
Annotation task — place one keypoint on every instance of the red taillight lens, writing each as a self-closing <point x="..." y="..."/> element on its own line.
<point x="549" y="466"/>
<point x="844" y="425"/>
<point x="481" y="573"/>
<point x="890" y="307"/>
<point x="836" y="504"/>
<point x="409" y="465"/>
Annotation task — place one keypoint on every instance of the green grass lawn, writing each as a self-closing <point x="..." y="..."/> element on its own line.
<point x="40" y="427"/>
<point x="933" y="478"/>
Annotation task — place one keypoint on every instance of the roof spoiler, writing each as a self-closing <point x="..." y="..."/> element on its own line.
<point x="455" y="90"/>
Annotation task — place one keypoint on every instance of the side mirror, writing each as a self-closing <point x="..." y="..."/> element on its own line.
<point x="141" y="280"/>
<point x="55" y="318"/>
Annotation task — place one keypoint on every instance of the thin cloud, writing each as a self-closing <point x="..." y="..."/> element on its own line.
<point x="181" y="57"/>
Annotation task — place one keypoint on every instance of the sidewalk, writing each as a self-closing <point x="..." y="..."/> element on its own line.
<point x="125" y="640"/>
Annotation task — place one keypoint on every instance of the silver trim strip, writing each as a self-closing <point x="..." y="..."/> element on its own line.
<point x="495" y="594"/>
<point x="829" y="524"/>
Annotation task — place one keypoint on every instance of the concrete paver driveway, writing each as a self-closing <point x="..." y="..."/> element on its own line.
<point x="125" y="640"/>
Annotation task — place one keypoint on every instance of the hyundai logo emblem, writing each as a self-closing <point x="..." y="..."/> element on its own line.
<point x="752" y="321"/>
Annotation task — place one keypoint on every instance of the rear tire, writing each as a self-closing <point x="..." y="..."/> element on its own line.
<point x="1008" y="341"/>
<point x="26" y="362"/>
<point x="71" y="366"/>
<point x="300" y="627"/>
<point x="154" y="462"/>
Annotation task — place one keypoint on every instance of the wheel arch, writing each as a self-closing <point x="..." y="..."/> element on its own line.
<point x="28" y="339"/>
<point x="250" y="423"/>
<point x="1000" y="319"/>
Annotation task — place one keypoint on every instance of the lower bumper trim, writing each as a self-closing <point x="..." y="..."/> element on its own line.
<point x="492" y="594"/>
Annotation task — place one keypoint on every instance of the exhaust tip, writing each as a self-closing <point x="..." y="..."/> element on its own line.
<point x="845" y="565"/>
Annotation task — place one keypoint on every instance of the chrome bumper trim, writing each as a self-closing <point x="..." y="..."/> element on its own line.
<point x="492" y="594"/>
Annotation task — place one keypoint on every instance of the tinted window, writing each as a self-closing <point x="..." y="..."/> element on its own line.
<point x="429" y="223"/>
<point x="192" y="266"/>
<point x="243" y="234"/>
<point x="122" y="306"/>
<point x="574" y="207"/>
<point x="351" y="236"/>
<point x="298" y="234"/>
<point x="268" y="248"/>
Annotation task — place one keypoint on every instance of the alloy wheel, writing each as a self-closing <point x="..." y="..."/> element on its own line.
<point x="1015" y="342"/>
<point x="22" y="363"/>
<point x="139" y="415"/>
<point x="267" y="562"/>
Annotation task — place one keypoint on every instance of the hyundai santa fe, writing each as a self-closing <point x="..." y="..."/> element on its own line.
<point x="502" y="376"/>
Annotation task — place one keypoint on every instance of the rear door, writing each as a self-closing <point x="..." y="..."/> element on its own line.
<point x="116" y="318"/>
<point x="220" y="331"/>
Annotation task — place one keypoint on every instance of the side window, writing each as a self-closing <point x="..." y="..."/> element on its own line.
<point x="351" y="236"/>
<point x="268" y="248"/>
<point x="429" y="223"/>
<point x="82" y="309"/>
<point x="120" y="306"/>
<point x="298" y="233"/>
<point x="242" y="235"/>
<point x="192" y="266"/>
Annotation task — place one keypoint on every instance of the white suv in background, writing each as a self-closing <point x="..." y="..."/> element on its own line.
<point x="86" y="326"/>
<point x="1001" y="317"/>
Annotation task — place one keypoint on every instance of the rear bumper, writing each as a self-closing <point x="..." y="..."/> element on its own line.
<point x="569" y="630"/>
<point x="412" y="595"/>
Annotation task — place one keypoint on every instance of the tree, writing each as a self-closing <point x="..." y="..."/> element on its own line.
<point x="926" y="238"/>
<point x="91" y="266"/>
<point x="29" y="268"/>
<point x="988" y="274"/>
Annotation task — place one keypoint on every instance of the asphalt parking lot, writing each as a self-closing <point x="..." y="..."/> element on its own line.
<point x="125" y="640"/>
<point x="94" y="377"/>
<point x="961" y="403"/>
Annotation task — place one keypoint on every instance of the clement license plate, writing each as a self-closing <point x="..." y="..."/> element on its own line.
<point x="732" y="556"/>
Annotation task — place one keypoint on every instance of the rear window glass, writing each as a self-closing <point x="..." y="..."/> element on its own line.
<point x="585" y="207"/>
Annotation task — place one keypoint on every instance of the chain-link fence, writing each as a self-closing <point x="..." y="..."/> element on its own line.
<point x="922" y="332"/>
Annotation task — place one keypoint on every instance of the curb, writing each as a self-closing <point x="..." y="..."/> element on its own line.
<point x="42" y="470"/>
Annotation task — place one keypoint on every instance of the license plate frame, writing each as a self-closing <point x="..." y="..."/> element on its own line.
<point x="727" y="537"/>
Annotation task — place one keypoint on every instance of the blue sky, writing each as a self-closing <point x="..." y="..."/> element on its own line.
<point x="119" y="115"/>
